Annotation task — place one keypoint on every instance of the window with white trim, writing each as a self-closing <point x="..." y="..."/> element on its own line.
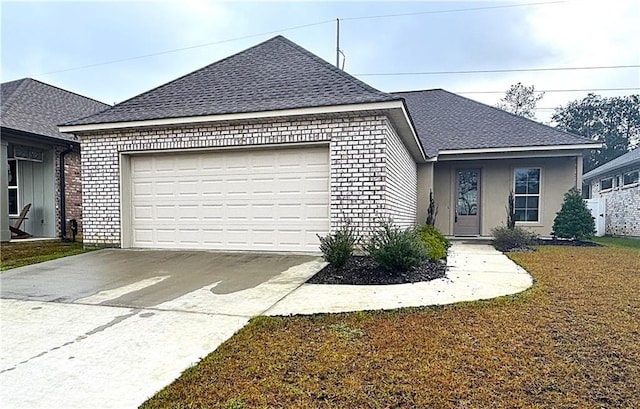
<point x="631" y="178"/>
<point x="526" y="194"/>
<point x="606" y="184"/>
<point x="13" y="187"/>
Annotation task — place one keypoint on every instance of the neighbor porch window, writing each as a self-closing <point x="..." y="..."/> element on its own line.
<point x="631" y="178"/>
<point x="13" y="187"/>
<point x="526" y="194"/>
<point x="606" y="184"/>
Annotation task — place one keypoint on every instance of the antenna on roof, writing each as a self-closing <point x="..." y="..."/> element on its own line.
<point x="338" y="51"/>
<point x="338" y="43"/>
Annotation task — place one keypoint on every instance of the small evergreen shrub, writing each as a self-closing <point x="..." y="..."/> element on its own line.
<point x="337" y="247"/>
<point x="396" y="249"/>
<point x="432" y="231"/>
<point x="432" y="210"/>
<point x="506" y="239"/>
<point x="574" y="220"/>
<point x="511" y="212"/>
<point x="436" y="249"/>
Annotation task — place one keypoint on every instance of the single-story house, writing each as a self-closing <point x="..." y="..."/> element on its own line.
<point x="40" y="165"/>
<point x="618" y="183"/>
<point x="267" y="148"/>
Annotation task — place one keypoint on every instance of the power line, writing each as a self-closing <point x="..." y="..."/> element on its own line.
<point x="185" y="48"/>
<point x="602" y="67"/>
<point x="553" y="90"/>
<point x="453" y="10"/>
<point x="295" y="28"/>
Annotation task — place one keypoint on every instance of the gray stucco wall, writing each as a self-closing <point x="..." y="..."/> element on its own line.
<point x="559" y="174"/>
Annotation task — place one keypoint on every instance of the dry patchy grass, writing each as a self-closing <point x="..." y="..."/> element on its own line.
<point x="571" y="342"/>
<point x="18" y="254"/>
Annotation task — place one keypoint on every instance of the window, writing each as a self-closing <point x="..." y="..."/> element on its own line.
<point x="527" y="194"/>
<point x="630" y="178"/>
<point x="13" y="187"/>
<point x="606" y="184"/>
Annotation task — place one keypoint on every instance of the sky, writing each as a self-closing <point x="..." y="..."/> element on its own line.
<point x="114" y="50"/>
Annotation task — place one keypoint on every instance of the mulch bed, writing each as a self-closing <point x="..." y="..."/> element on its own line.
<point x="364" y="270"/>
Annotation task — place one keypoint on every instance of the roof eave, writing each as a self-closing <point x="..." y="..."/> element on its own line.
<point x="521" y="149"/>
<point x="398" y="111"/>
<point x="329" y="109"/>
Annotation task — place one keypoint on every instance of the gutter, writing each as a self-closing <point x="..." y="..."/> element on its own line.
<point x="63" y="209"/>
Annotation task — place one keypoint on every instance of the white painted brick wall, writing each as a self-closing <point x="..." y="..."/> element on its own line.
<point x="402" y="182"/>
<point x="361" y="147"/>
<point x="623" y="207"/>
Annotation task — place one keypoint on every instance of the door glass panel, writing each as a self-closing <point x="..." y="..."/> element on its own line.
<point x="467" y="193"/>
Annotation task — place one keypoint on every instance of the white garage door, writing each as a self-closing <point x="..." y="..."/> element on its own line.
<point x="275" y="200"/>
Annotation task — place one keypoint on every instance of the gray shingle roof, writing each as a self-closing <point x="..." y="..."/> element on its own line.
<point x="274" y="75"/>
<point x="32" y="106"/>
<point x="630" y="158"/>
<point x="446" y="121"/>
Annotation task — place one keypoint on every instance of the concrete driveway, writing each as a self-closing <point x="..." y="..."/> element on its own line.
<point x="110" y="328"/>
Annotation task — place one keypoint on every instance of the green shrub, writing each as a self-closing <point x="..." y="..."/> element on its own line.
<point x="337" y="247"/>
<point x="574" y="220"/>
<point x="429" y="230"/>
<point x="506" y="239"/>
<point x="511" y="213"/>
<point x="434" y="246"/>
<point x="396" y="249"/>
<point x="434" y="241"/>
<point x="432" y="210"/>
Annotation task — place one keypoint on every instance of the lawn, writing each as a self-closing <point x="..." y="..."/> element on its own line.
<point x="618" y="241"/>
<point x="570" y="342"/>
<point x="18" y="254"/>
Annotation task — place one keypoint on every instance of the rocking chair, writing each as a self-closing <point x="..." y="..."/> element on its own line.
<point x="16" y="233"/>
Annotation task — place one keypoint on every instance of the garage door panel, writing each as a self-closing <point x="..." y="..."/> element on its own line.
<point x="231" y="200"/>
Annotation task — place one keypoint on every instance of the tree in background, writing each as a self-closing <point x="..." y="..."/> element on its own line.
<point x="520" y="100"/>
<point x="614" y="121"/>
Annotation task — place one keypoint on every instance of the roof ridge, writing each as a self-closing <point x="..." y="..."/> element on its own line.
<point x="69" y="92"/>
<point x="418" y="90"/>
<point x="195" y="71"/>
<point x="28" y="80"/>
<point x="327" y="65"/>
<point x="8" y="103"/>
<point x="584" y="138"/>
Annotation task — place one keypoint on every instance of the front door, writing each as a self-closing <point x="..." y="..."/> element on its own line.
<point x="467" y="212"/>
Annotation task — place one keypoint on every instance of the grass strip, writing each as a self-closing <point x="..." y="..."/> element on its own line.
<point x="18" y="254"/>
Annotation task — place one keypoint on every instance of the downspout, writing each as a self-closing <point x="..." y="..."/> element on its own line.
<point x="63" y="210"/>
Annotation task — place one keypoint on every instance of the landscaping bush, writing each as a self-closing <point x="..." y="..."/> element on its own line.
<point x="506" y="239"/>
<point x="432" y="210"/>
<point x="574" y="220"/>
<point x="434" y="247"/>
<point x="511" y="213"/>
<point x="426" y="229"/>
<point x="396" y="249"/>
<point x="435" y="242"/>
<point x="337" y="247"/>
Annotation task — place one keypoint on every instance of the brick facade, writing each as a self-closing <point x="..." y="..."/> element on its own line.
<point x="369" y="164"/>
<point x="622" y="205"/>
<point x="73" y="188"/>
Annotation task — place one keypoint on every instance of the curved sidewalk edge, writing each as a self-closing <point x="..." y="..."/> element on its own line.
<point x="476" y="272"/>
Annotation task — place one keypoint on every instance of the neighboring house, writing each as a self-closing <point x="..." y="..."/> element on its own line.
<point x="267" y="148"/>
<point x="618" y="183"/>
<point x="33" y="153"/>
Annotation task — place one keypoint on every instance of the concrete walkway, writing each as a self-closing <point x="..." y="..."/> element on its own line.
<point x="476" y="272"/>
